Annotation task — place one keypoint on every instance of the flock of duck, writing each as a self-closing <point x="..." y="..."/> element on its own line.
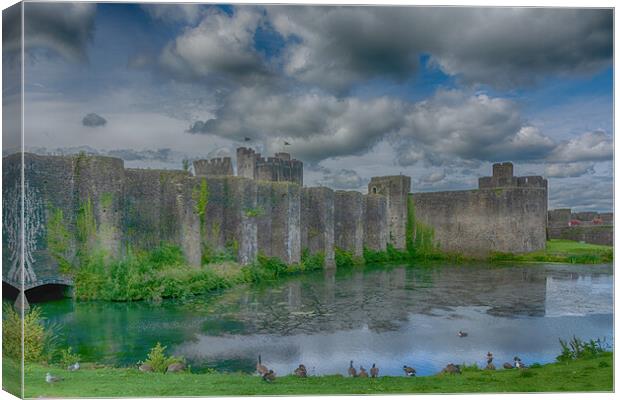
<point x="301" y="371"/>
<point x="269" y="376"/>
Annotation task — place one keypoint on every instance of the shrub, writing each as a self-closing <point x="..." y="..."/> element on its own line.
<point x="312" y="262"/>
<point x="578" y="349"/>
<point x="343" y="258"/>
<point x="166" y="255"/>
<point x="39" y="341"/>
<point x="68" y="357"/>
<point x="158" y="360"/>
<point x="273" y="266"/>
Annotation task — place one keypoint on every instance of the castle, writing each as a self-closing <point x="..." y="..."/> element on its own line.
<point x="264" y="209"/>
<point x="275" y="169"/>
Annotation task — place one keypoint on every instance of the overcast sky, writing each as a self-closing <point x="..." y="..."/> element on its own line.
<point x="435" y="93"/>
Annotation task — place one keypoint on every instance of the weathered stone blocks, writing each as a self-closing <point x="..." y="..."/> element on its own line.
<point x="396" y="190"/>
<point x="214" y="167"/>
<point x="349" y="221"/>
<point x="376" y="234"/>
<point x="477" y="222"/>
<point x="160" y="207"/>
<point x="317" y="222"/>
<point x="99" y="180"/>
<point x="279" y="222"/>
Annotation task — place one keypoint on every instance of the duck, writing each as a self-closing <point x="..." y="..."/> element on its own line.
<point x="508" y="365"/>
<point x="175" y="367"/>
<point x="301" y="371"/>
<point x="518" y="363"/>
<point x="260" y="368"/>
<point x="269" y="376"/>
<point x="352" y="372"/>
<point x="409" y="371"/>
<point x="74" y="367"/>
<point x="451" y="369"/>
<point x="374" y="371"/>
<point x="363" y="373"/>
<point x="462" y="334"/>
<point x="490" y="365"/>
<point x="49" y="378"/>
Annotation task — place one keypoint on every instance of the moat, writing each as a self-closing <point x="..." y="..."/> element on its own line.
<point x="393" y="316"/>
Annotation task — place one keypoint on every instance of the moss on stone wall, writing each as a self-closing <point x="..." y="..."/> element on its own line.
<point x="420" y="237"/>
<point x="59" y="239"/>
<point x="86" y="230"/>
<point x="201" y="199"/>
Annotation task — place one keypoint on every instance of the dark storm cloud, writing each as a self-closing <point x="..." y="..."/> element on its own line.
<point x="93" y="120"/>
<point x="445" y="129"/>
<point x="317" y="125"/>
<point x="339" y="46"/>
<point x="64" y="29"/>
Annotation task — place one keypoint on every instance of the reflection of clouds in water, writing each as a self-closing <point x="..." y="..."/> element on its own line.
<point x="426" y="342"/>
<point x="579" y="295"/>
<point x="389" y="316"/>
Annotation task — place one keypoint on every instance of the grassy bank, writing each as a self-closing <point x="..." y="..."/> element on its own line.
<point x="164" y="273"/>
<point x="595" y="374"/>
<point x="562" y="251"/>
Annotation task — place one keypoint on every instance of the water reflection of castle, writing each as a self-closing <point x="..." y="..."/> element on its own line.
<point x="382" y="300"/>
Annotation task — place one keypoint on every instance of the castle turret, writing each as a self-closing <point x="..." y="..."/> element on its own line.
<point x="246" y="162"/>
<point x="503" y="177"/>
<point x="396" y="190"/>
<point x="280" y="168"/>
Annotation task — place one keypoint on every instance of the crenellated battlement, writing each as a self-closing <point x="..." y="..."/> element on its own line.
<point x="214" y="167"/>
<point x="280" y="168"/>
<point x="503" y="177"/>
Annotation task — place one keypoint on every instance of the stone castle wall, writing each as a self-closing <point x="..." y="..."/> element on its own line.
<point x="506" y="214"/>
<point x="376" y="230"/>
<point x="477" y="222"/>
<point x="395" y="189"/>
<point x="214" y="167"/>
<point x="349" y="217"/>
<point x="317" y="221"/>
<point x="141" y="209"/>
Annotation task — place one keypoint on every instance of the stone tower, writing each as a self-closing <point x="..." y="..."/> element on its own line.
<point x="396" y="191"/>
<point x="280" y="168"/>
<point x="246" y="162"/>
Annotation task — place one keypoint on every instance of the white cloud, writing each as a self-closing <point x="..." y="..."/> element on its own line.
<point x="569" y="170"/>
<point x="221" y="45"/>
<point x="591" y="146"/>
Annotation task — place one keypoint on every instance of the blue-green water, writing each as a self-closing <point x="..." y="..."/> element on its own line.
<point x="394" y="316"/>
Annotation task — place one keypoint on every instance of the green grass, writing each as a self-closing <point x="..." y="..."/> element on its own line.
<point x="11" y="376"/>
<point x="594" y="374"/>
<point x="562" y="251"/>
